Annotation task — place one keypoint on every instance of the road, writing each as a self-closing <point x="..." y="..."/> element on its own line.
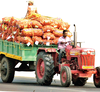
<point x="28" y="84"/>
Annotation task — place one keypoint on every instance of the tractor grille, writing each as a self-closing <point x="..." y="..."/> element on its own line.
<point x="88" y="60"/>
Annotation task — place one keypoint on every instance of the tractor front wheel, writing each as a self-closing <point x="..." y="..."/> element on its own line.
<point x="65" y="76"/>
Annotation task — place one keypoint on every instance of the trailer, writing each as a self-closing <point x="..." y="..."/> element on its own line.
<point x="78" y="64"/>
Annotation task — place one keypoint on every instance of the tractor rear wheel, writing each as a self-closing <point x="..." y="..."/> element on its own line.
<point x="7" y="70"/>
<point x="79" y="81"/>
<point x="65" y="76"/>
<point x="44" y="68"/>
<point x="96" y="78"/>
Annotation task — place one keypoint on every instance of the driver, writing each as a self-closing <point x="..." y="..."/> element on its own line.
<point x="62" y="43"/>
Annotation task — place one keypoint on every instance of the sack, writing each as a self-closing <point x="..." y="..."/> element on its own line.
<point x="23" y="23"/>
<point x="36" y="38"/>
<point x="48" y="29"/>
<point x="38" y="32"/>
<point x="36" y="24"/>
<point x="4" y="36"/>
<point x="69" y="34"/>
<point x="9" y="29"/>
<point x="58" y="32"/>
<point x="20" y="23"/>
<point x="10" y="37"/>
<point x="56" y="22"/>
<point x="27" y="32"/>
<point x="44" y="20"/>
<point x="3" y="27"/>
<point x="16" y="32"/>
<point x="47" y="42"/>
<point x="55" y="41"/>
<point x="6" y="20"/>
<point x="64" y="26"/>
<point x="32" y="32"/>
<point x="0" y="35"/>
<point x="49" y="36"/>
<point x="25" y="40"/>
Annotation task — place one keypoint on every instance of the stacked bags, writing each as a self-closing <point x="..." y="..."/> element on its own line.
<point x="41" y="30"/>
<point x="20" y="30"/>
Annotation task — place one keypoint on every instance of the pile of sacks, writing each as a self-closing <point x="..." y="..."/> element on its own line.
<point x="38" y="30"/>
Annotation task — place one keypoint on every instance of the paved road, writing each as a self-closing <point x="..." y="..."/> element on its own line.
<point x="28" y="84"/>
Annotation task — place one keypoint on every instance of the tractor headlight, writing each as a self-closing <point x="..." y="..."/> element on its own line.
<point x="92" y="53"/>
<point x="84" y="53"/>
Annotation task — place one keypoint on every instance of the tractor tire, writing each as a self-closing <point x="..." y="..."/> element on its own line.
<point x="96" y="78"/>
<point x="65" y="76"/>
<point x="44" y="68"/>
<point x="7" y="70"/>
<point x="79" y="81"/>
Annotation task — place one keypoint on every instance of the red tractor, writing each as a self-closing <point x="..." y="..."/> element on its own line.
<point x="78" y="64"/>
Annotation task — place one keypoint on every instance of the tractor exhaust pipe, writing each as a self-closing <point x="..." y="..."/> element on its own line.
<point x="75" y="37"/>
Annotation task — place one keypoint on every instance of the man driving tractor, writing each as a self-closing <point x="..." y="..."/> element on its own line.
<point x="62" y="43"/>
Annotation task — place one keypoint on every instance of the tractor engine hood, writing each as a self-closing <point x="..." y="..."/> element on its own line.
<point x="87" y="51"/>
<point x="82" y="51"/>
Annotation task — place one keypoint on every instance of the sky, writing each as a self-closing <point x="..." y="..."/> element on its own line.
<point x="84" y="13"/>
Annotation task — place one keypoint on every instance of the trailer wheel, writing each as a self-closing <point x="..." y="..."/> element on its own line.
<point x="44" y="68"/>
<point x="65" y="76"/>
<point x="79" y="81"/>
<point x="96" y="78"/>
<point x="7" y="70"/>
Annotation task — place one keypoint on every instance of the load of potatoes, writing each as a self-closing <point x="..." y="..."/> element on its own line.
<point x="39" y="30"/>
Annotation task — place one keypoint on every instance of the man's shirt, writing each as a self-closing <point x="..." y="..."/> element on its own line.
<point x="62" y="39"/>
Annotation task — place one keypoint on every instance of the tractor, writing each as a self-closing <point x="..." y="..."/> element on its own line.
<point x="78" y="64"/>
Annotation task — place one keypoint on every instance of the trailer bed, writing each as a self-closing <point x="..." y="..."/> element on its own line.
<point x="20" y="51"/>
